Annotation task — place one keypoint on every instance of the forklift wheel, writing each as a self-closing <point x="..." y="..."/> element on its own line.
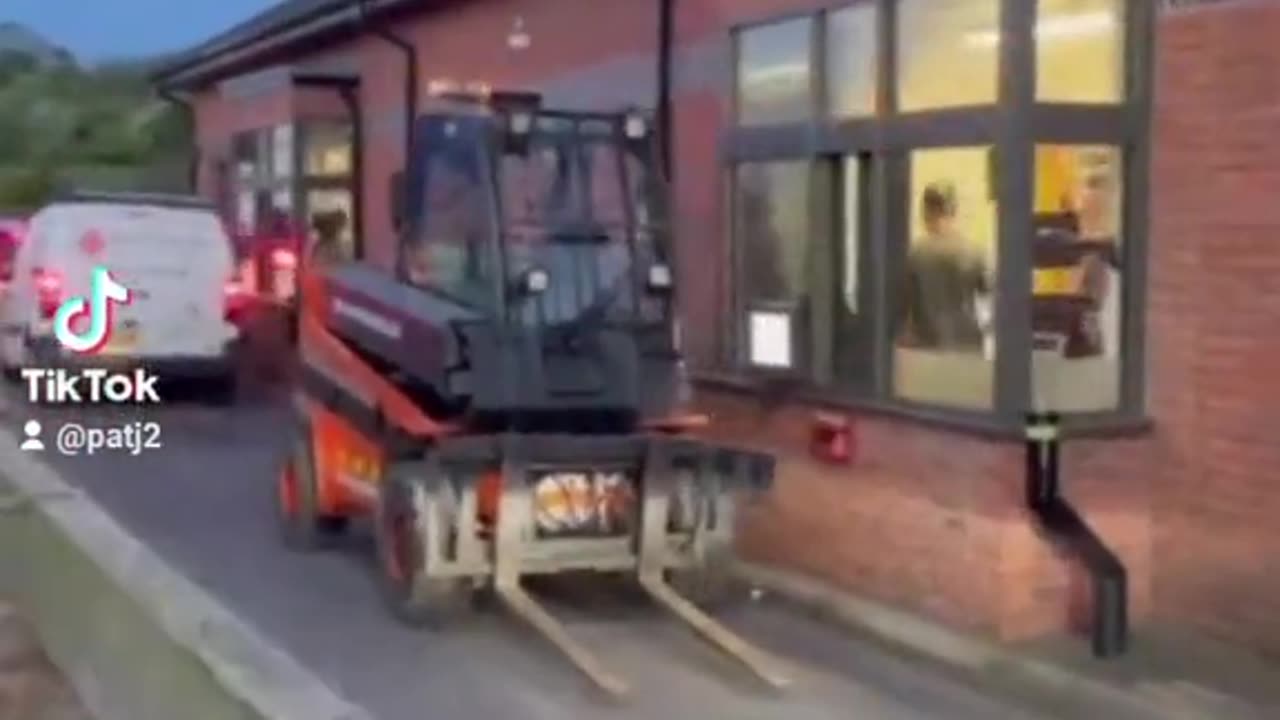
<point x="413" y="598"/>
<point x="302" y="526"/>
<point x="711" y="584"/>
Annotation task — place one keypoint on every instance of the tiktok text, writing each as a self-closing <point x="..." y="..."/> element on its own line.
<point x="92" y="385"/>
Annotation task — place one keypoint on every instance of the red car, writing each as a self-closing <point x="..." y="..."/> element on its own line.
<point x="12" y="232"/>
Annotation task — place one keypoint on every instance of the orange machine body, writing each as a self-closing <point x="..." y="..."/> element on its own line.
<point x="349" y="464"/>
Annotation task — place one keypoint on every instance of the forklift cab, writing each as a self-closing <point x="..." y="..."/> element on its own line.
<point x="544" y="233"/>
<point x="535" y="216"/>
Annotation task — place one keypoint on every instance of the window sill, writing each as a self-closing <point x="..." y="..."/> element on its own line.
<point x="1110" y="426"/>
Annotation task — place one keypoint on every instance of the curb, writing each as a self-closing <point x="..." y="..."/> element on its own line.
<point x="966" y="652"/>
<point x="137" y="640"/>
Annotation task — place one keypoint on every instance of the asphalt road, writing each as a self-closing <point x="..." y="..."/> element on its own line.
<point x="203" y="502"/>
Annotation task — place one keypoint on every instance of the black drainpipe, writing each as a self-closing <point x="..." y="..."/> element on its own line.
<point x="193" y="165"/>
<point x="410" y="73"/>
<point x="666" y="50"/>
<point x="1064" y="525"/>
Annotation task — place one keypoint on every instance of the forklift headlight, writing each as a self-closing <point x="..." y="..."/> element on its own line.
<point x="660" y="277"/>
<point x="536" y="281"/>
<point x="521" y="123"/>
<point x="636" y="127"/>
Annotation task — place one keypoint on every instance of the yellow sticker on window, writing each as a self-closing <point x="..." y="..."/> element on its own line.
<point x="1057" y="281"/>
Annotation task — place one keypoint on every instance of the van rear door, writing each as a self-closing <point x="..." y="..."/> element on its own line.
<point x="175" y="263"/>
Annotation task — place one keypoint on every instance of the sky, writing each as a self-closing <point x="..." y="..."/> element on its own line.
<point x="97" y="30"/>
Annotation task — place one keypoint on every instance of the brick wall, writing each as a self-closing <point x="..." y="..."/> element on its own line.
<point x="933" y="521"/>
<point x="1215" y="320"/>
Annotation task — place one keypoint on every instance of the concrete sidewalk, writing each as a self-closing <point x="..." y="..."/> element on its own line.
<point x="1168" y="674"/>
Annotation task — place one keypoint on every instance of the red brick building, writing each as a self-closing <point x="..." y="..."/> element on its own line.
<point x="813" y="141"/>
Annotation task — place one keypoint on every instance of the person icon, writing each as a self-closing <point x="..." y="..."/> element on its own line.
<point x="32" y="430"/>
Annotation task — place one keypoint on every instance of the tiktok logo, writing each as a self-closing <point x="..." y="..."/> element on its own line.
<point x="99" y="307"/>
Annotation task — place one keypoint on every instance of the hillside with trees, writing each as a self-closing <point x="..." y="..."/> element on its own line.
<point x="65" y="124"/>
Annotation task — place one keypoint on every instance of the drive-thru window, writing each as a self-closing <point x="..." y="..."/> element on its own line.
<point x="947" y="199"/>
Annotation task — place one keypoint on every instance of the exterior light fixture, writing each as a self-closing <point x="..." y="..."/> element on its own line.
<point x="518" y="38"/>
<point x="636" y="127"/>
<point x="441" y="86"/>
<point x="536" y="281"/>
<point x="660" y="277"/>
<point x="521" y="123"/>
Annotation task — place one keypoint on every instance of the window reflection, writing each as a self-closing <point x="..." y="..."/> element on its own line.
<point x="1080" y="51"/>
<point x="772" y="205"/>
<point x="448" y="252"/>
<point x="946" y="339"/>
<point x="1076" y="278"/>
<point x="774" y="73"/>
<point x="851" y="60"/>
<point x="947" y="53"/>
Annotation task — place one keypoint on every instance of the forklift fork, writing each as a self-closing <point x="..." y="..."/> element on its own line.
<point x="513" y="532"/>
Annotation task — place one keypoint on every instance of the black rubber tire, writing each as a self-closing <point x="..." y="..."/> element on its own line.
<point x="224" y="390"/>
<point x="412" y="598"/>
<point x="302" y="527"/>
<point x="13" y="373"/>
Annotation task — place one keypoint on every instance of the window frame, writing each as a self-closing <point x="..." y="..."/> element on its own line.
<point x="1013" y="126"/>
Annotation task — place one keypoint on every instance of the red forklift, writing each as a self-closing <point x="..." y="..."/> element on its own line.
<point x="508" y="401"/>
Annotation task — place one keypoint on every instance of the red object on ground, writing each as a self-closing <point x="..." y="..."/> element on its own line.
<point x="832" y="439"/>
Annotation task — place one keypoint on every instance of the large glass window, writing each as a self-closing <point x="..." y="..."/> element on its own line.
<point x="328" y="151"/>
<point x="282" y="152"/>
<point x="1080" y="51"/>
<point x="946" y="341"/>
<point x="775" y="73"/>
<point x="1076" y="278"/>
<point x="851" y="60"/>
<point x="948" y="53"/>
<point x="329" y="217"/>
<point x="773" y="226"/>
<point x="250" y="160"/>
<point x="878" y="229"/>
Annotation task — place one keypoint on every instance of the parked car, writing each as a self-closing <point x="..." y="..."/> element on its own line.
<point x="173" y="255"/>
<point x="12" y="231"/>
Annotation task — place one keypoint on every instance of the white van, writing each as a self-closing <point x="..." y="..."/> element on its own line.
<point x="173" y="255"/>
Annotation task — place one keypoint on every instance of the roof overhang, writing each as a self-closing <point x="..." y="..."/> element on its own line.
<point x="241" y="47"/>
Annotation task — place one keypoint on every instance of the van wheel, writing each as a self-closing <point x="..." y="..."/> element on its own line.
<point x="13" y="356"/>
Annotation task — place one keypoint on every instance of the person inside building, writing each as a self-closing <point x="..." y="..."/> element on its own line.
<point x="1095" y="209"/>
<point x="946" y="281"/>
<point x="327" y="249"/>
